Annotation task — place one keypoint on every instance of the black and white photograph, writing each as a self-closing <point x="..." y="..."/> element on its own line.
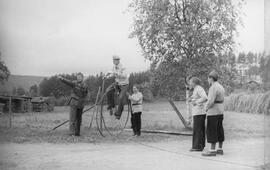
<point x="134" y="85"/>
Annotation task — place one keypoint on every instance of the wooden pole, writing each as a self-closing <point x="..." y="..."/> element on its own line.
<point x="179" y="114"/>
<point x="68" y="120"/>
<point x="163" y="132"/>
<point x="95" y="108"/>
<point x="188" y="105"/>
<point x="10" y="113"/>
<point x="101" y="106"/>
<point x="189" y="111"/>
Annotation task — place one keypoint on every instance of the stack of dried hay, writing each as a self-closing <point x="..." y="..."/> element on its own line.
<point x="249" y="103"/>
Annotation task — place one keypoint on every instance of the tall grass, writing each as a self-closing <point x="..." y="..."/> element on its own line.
<point x="249" y="103"/>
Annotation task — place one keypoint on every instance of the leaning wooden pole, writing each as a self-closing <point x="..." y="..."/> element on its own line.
<point x="10" y="113"/>
<point x="189" y="114"/>
<point x="179" y="114"/>
<point x="61" y="124"/>
<point x="163" y="132"/>
<point x="101" y="105"/>
<point x="95" y="108"/>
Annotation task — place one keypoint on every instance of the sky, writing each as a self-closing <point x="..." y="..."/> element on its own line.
<point x="251" y="33"/>
<point x="48" y="37"/>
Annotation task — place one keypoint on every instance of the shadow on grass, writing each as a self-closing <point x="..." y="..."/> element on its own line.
<point x="38" y="135"/>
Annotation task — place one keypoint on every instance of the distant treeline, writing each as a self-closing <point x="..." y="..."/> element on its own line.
<point x="165" y="79"/>
<point x="53" y="87"/>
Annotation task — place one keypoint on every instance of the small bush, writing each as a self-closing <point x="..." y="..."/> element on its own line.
<point x="145" y="88"/>
<point x="249" y="103"/>
<point x="61" y="101"/>
<point x="266" y="86"/>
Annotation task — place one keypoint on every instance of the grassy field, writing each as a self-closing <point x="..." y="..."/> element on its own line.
<point x="35" y="127"/>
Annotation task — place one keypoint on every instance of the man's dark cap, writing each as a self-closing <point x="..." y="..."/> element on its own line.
<point x="213" y="74"/>
<point x="80" y="74"/>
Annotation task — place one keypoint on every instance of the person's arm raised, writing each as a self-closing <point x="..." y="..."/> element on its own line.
<point x="66" y="81"/>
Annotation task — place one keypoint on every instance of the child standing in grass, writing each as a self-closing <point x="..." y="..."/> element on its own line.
<point x="136" y="101"/>
<point x="198" y="99"/>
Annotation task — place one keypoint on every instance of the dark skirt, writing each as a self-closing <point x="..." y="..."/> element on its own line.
<point x="136" y="123"/>
<point x="221" y="137"/>
<point x="215" y="131"/>
<point x="198" y="140"/>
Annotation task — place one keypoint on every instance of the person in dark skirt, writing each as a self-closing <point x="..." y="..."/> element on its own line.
<point x="136" y="101"/>
<point x="215" y="110"/>
<point x="198" y="99"/>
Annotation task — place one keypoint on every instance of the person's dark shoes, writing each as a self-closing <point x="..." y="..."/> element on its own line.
<point x="195" y="150"/>
<point x="111" y="112"/>
<point x="117" y="117"/>
<point x="139" y="133"/>
<point x="77" y="134"/>
<point x="209" y="153"/>
<point x="220" y="152"/>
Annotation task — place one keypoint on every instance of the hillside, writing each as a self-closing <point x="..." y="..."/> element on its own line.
<point x="20" y="81"/>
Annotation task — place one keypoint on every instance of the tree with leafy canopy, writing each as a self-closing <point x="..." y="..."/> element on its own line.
<point x="21" y="91"/>
<point x="4" y="71"/>
<point x="53" y="85"/>
<point x="33" y="90"/>
<point x="241" y="57"/>
<point x="265" y="71"/>
<point x="186" y="37"/>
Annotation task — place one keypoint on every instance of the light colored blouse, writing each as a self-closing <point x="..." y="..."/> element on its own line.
<point x="214" y="105"/>
<point x="136" y="102"/>
<point x="199" y="98"/>
<point x="121" y="76"/>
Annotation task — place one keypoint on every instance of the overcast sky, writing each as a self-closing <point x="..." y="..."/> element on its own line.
<point x="46" y="37"/>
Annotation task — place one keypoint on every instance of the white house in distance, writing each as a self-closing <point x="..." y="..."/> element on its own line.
<point x="243" y="71"/>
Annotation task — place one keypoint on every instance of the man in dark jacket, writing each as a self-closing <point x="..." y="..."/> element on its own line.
<point x="76" y="102"/>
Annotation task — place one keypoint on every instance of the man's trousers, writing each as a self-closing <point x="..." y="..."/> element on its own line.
<point x="122" y="98"/>
<point x="75" y="120"/>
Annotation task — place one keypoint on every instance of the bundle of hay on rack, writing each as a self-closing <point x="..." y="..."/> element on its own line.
<point x="249" y="103"/>
<point x="42" y="104"/>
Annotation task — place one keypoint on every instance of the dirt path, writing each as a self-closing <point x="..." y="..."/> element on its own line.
<point x="243" y="154"/>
